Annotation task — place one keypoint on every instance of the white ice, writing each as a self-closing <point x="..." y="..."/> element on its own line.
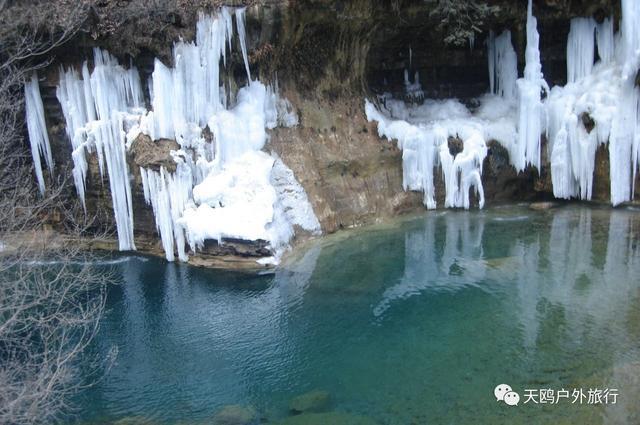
<point x="226" y="189"/>
<point x="413" y="90"/>
<point x="526" y="150"/>
<point x="581" y="48"/>
<point x="503" y="65"/>
<point x="96" y="110"/>
<point x="422" y="132"/>
<point x="37" y="129"/>
<point x="607" y="94"/>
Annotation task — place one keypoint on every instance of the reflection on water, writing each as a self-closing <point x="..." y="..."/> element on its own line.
<point x="411" y="322"/>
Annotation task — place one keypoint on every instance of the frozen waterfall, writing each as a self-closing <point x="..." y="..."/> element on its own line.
<point x="526" y="150"/>
<point x="604" y="93"/>
<point x="423" y="134"/>
<point x="97" y="110"/>
<point x="222" y="187"/>
<point x="599" y="105"/>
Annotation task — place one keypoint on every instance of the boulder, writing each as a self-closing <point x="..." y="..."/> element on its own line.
<point x="153" y="154"/>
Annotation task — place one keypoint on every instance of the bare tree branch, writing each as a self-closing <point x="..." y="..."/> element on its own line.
<point x="51" y="293"/>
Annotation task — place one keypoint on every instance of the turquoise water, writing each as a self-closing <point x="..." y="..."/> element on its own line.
<point x="410" y="323"/>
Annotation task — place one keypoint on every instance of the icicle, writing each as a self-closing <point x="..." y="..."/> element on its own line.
<point x="109" y="137"/>
<point x="413" y="90"/>
<point x="240" y="17"/>
<point x="580" y="48"/>
<point x="491" y="55"/>
<point x="503" y="66"/>
<point x="185" y="97"/>
<point x="606" y="41"/>
<point x="216" y="190"/>
<point x="94" y="110"/>
<point x="530" y="110"/>
<point x="425" y="144"/>
<point x="168" y="195"/>
<point x="606" y="93"/>
<point x="624" y="146"/>
<point x="630" y="36"/>
<point x="464" y="171"/>
<point x="37" y="129"/>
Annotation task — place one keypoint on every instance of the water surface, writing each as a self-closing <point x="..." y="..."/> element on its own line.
<point x="412" y="322"/>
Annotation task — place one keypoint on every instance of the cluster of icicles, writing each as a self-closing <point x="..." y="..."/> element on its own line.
<point x="515" y="114"/>
<point x="227" y="188"/>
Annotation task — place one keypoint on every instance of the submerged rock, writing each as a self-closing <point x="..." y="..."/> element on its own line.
<point x="235" y="414"/>
<point x="313" y="401"/>
<point x="541" y="206"/>
<point x="329" y="418"/>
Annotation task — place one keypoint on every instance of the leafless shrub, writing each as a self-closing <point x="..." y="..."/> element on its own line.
<point x="49" y="310"/>
<point x="51" y="295"/>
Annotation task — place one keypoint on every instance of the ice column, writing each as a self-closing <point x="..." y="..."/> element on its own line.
<point x="186" y="96"/>
<point x="503" y="66"/>
<point x="580" y="48"/>
<point x="168" y="194"/>
<point x="606" y="41"/>
<point x="95" y="110"/>
<point x="240" y="16"/>
<point x="624" y="144"/>
<point x="464" y="171"/>
<point x="530" y="109"/>
<point x="37" y="128"/>
<point x="630" y="30"/>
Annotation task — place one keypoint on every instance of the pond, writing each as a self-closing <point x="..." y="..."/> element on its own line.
<point x="412" y="322"/>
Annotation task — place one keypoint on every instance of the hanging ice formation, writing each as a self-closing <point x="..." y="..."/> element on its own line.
<point x="503" y="66"/>
<point x="604" y="94"/>
<point x="226" y="188"/>
<point x="37" y="130"/>
<point x="526" y="150"/>
<point x="413" y="90"/>
<point x="97" y="110"/>
<point x="624" y="143"/>
<point x="423" y="133"/>
<point x="606" y="41"/>
<point x="580" y="48"/>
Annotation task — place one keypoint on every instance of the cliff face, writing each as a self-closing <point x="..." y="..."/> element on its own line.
<point x="327" y="57"/>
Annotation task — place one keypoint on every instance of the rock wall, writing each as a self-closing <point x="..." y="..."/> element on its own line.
<point x="327" y="56"/>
